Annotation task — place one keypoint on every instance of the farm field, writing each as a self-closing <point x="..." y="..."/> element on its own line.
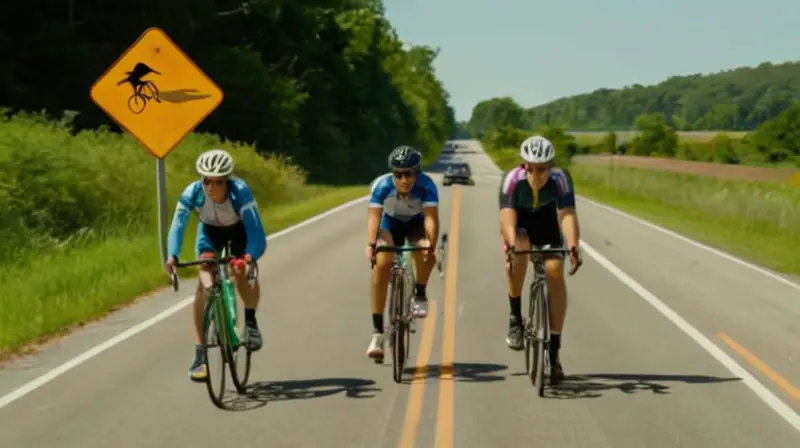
<point x="716" y="170"/>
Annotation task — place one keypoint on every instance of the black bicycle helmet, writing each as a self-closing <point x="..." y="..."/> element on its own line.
<point x="404" y="157"/>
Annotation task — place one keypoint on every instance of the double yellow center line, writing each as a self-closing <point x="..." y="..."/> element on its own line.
<point x="444" y="416"/>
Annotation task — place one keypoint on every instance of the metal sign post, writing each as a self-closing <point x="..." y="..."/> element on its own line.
<point x="161" y="184"/>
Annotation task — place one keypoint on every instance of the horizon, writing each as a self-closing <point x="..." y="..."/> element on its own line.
<point x="481" y="50"/>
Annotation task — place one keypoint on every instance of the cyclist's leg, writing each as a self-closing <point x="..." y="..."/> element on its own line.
<point x="515" y="282"/>
<point x="204" y="248"/>
<point x="422" y="270"/>
<point x="250" y="296"/>
<point x="389" y="232"/>
<point x="547" y="231"/>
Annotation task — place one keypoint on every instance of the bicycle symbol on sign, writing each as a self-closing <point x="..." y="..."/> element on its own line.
<point x="143" y="90"/>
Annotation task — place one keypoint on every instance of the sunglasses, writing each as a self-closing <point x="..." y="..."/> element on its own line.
<point x="215" y="182"/>
<point x="538" y="169"/>
<point x="403" y="174"/>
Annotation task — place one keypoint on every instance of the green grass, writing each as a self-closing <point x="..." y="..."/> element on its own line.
<point x="78" y="220"/>
<point x="754" y="220"/>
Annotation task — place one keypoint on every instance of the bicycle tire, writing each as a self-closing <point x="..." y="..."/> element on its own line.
<point x="399" y="327"/>
<point x="133" y="105"/>
<point x="211" y="321"/>
<point x="532" y="326"/>
<point x="408" y="313"/>
<point x="543" y="312"/>
<point x="241" y="381"/>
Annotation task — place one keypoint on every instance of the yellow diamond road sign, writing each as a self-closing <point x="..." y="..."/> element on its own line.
<point x="156" y="93"/>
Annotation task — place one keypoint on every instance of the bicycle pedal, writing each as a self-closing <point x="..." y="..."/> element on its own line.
<point x="412" y="330"/>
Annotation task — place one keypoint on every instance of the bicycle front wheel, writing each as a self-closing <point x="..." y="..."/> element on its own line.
<point x="533" y="331"/>
<point x="399" y="330"/>
<point x="240" y="357"/>
<point x="214" y="336"/>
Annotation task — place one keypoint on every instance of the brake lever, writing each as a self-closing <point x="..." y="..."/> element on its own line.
<point x="252" y="274"/>
<point x="173" y="276"/>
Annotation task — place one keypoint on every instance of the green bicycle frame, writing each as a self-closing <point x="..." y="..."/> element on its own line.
<point x="403" y="260"/>
<point x="226" y="307"/>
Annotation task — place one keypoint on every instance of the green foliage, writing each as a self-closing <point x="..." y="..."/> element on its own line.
<point x="776" y="141"/>
<point x="58" y="188"/>
<point x="757" y="220"/>
<point x="78" y="214"/>
<point x="741" y="98"/>
<point x="326" y="83"/>
<point x="493" y="114"/>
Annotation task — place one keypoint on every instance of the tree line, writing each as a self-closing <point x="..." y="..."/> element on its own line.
<point x="774" y="137"/>
<point x="326" y="82"/>
<point x="736" y="99"/>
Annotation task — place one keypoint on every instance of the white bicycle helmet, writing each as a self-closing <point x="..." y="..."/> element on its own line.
<point x="537" y="149"/>
<point x="214" y="163"/>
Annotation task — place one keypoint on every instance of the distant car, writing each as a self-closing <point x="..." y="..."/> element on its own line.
<point x="458" y="173"/>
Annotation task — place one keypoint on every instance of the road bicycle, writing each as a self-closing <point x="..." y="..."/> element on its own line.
<point x="537" y="324"/>
<point x="401" y="289"/>
<point x="220" y="318"/>
<point x="138" y="101"/>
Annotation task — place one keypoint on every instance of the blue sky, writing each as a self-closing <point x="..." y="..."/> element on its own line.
<point x="537" y="51"/>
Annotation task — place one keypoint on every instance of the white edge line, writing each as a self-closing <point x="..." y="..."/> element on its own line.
<point x="40" y="381"/>
<point x="729" y="363"/>
<point x="697" y="244"/>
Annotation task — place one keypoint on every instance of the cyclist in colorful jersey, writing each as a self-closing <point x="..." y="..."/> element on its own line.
<point x="403" y="204"/>
<point x="227" y="212"/>
<point x="535" y="198"/>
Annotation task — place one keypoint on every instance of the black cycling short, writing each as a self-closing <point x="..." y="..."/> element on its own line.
<point x="413" y="230"/>
<point x="542" y="226"/>
<point x="214" y="239"/>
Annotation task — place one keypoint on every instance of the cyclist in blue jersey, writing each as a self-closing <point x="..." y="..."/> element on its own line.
<point x="403" y="204"/>
<point x="227" y="212"/>
<point x="535" y="197"/>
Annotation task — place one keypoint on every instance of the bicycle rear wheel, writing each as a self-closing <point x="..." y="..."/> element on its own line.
<point x="399" y="331"/>
<point x="214" y="336"/>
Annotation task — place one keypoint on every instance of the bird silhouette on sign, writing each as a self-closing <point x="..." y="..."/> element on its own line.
<point x="143" y="90"/>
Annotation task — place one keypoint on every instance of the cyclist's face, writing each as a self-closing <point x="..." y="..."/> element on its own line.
<point x="538" y="174"/>
<point x="215" y="187"/>
<point x="404" y="180"/>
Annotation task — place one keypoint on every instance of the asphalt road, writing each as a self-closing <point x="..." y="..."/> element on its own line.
<point x="713" y="370"/>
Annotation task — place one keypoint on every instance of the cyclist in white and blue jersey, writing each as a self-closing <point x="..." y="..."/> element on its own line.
<point x="227" y="212"/>
<point x="403" y="204"/>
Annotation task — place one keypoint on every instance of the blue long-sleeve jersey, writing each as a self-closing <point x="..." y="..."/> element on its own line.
<point x="240" y="205"/>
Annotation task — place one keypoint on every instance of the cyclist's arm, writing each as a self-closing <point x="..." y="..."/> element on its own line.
<point x="508" y="213"/>
<point x="567" y="215"/>
<point x="251" y="218"/>
<point x="179" y="220"/>
<point x="373" y="221"/>
<point x="430" y="207"/>
<point x="378" y="194"/>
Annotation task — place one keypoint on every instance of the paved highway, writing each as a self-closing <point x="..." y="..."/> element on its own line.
<point x="666" y="344"/>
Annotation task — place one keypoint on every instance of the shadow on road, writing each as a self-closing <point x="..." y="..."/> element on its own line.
<point x="260" y="393"/>
<point x="592" y="385"/>
<point x="460" y="371"/>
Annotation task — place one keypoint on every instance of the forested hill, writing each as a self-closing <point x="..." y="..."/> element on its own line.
<point x="327" y="82"/>
<point x="740" y="98"/>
